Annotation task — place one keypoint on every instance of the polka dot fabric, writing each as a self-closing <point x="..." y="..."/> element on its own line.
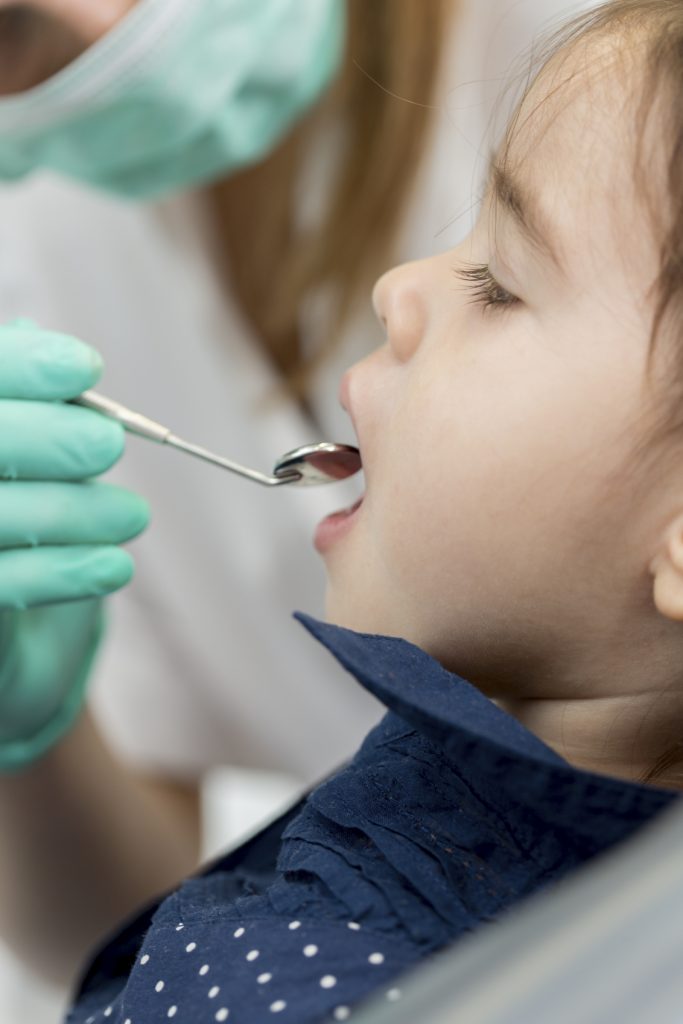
<point x="449" y="813"/>
<point x="297" y="985"/>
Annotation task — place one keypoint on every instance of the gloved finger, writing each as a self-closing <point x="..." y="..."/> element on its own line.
<point x="45" y="575"/>
<point x="44" y="365"/>
<point x="56" y="441"/>
<point x="34" y="513"/>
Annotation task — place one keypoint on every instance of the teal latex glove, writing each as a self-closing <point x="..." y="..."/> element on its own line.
<point x="59" y="535"/>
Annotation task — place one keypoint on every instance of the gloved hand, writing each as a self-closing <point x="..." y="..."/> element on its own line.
<point x="58" y="535"/>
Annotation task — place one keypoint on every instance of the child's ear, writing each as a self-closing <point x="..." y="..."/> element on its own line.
<point x="667" y="569"/>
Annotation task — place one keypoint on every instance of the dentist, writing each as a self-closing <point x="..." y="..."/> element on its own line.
<point x="200" y="190"/>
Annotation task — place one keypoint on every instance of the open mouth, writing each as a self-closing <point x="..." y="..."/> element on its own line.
<point x="336" y="525"/>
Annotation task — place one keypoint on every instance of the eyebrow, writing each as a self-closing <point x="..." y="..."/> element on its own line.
<point x="518" y="202"/>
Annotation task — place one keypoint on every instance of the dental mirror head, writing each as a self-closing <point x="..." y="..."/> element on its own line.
<point x="322" y="463"/>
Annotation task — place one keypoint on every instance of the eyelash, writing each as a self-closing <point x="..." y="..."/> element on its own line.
<point x="485" y="290"/>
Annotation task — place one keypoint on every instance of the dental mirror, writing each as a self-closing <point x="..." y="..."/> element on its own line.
<point x="322" y="463"/>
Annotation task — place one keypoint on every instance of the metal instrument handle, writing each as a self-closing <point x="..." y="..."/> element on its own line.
<point x="132" y="421"/>
<point x="135" y="423"/>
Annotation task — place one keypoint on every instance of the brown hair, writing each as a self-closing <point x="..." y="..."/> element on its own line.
<point x="381" y="102"/>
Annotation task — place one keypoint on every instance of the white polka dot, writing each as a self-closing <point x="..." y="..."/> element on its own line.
<point x="393" y="994"/>
<point x="354" y="926"/>
<point x="172" y="1010"/>
<point x="204" y="969"/>
<point x="310" y="950"/>
<point x="264" y="978"/>
<point x="341" y="1013"/>
<point x="190" y="947"/>
<point x="128" y="1021"/>
<point x="90" y="1020"/>
<point x="107" y="1012"/>
<point x="144" y="959"/>
<point x="213" y="991"/>
<point x="278" y="1005"/>
<point x="179" y="927"/>
<point x="328" y="981"/>
<point x="252" y="955"/>
<point x="376" y="958"/>
<point x="159" y="986"/>
<point x="238" y="933"/>
<point x="293" y="925"/>
<point x="223" y="1013"/>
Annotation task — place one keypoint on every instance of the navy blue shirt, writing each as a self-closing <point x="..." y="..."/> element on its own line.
<point x="450" y="812"/>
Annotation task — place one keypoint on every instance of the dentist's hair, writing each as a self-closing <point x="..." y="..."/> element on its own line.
<point x="380" y="109"/>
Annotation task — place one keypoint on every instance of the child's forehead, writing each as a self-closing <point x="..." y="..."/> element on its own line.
<point x="574" y="133"/>
<point x="571" y="149"/>
<point x="584" y="91"/>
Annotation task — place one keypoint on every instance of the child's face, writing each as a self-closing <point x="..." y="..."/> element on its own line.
<point x="502" y="529"/>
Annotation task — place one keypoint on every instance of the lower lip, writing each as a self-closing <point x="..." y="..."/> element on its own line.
<point x="330" y="529"/>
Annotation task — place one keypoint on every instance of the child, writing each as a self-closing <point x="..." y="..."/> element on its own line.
<point x="523" y="526"/>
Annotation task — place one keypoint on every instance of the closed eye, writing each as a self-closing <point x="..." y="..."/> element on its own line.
<point x="484" y="289"/>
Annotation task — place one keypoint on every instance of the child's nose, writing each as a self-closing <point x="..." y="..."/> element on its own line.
<point x="400" y="306"/>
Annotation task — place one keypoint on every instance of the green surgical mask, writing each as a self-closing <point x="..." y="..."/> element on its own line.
<point x="178" y="93"/>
